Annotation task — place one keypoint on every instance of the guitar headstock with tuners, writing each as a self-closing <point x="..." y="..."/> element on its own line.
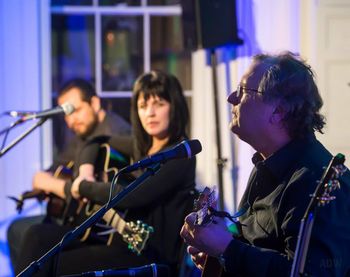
<point x="136" y="235"/>
<point x="328" y="183"/>
<point x="205" y="211"/>
<point x="202" y="205"/>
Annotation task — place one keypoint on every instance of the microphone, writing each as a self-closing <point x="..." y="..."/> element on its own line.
<point x="185" y="149"/>
<point x="66" y="108"/>
<point x="152" y="270"/>
<point x="17" y="113"/>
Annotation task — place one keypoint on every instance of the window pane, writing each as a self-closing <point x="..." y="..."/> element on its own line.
<point x="164" y="2"/>
<point x="73" y="48"/>
<point x="119" y="2"/>
<point x="121" y="106"/>
<point x="122" y="52"/>
<point x="71" y="2"/>
<point x="167" y="52"/>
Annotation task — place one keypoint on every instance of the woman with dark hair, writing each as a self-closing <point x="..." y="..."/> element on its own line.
<point x="159" y="117"/>
<point x="167" y="87"/>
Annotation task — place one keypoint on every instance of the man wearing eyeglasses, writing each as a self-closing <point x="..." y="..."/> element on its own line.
<point x="276" y="110"/>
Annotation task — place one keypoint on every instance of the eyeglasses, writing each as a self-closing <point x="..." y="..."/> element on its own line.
<point x="241" y="90"/>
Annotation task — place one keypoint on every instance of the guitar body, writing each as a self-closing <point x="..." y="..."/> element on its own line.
<point x="73" y="212"/>
<point x="212" y="268"/>
<point x="203" y="205"/>
<point x="135" y="234"/>
<point x="58" y="209"/>
<point x="207" y="199"/>
<point x="108" y="163"/>
<point x="62" y="211"/>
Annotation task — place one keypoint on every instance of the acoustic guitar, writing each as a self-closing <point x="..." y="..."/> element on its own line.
<point x="60" y="210"/>
<point x="205" y="201"/>
<point x="205" y="211"/>
<point x="321" y="196"/>
<point x="73" y="212"/>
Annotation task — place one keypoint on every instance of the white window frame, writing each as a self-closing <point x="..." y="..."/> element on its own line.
<point x="98" y="11"/>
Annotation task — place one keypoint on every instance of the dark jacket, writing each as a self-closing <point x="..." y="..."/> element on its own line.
<point x="162" y="201"/>
<point x="277" y="196"/>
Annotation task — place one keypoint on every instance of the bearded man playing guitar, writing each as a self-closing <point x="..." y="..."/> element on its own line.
<point x="88" y="121"/>
<point x="276" y="110"/>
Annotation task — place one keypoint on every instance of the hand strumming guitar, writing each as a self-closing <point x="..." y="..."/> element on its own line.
<point x="45" y="181"/>
<point x="86" y="172"/>
<point x="210" y="239"/>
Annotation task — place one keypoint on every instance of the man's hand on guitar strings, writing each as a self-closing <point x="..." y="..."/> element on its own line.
<point x="45" y="181"/>
<point x="198" y="257"/>
<point x="222" y="214"/>
<point x="211" y="239"/>
<point x="235" y="228"/>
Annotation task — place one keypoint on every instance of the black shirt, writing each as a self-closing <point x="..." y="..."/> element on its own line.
<point x="277" y="196"/>
<point x="112" y="124"/>
<point x="162" y="201"/>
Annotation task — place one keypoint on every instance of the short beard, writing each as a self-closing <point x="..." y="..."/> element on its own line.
<point x="90" y="129"/>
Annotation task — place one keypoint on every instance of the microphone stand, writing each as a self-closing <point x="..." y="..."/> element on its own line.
<point x="7" y="129"/>
<point x="68" y="237"/>
<point x="220" y="161"/>
<point x="22" y="136"/>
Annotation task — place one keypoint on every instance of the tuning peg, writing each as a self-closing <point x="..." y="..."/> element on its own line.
<point x="335" y="184"/>
<point x="150" y="229"/>
<point x="325" y="199"/>
<point x="339" y="170"/>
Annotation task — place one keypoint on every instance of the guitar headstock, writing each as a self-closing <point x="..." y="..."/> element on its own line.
<point x="329" y="181"/>
<point x="206" y="199"/>
<point x="136" y="235"/>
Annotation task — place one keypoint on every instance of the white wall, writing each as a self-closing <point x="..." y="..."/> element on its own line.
<point x="333" y="72"/>
<point x="20" y="89"/>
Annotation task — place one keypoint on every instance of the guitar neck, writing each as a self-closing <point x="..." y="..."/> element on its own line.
<point x="321" y="196"/>
<point x="115" y="220"/>
<point x="302" y="245"/>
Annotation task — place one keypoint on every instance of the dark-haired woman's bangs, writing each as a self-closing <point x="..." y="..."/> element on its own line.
<point x="155" y="92"/>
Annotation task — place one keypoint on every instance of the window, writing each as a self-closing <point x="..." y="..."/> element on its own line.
<point x="111" y="42"/>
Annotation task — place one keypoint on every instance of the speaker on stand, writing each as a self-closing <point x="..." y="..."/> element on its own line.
<point x="211" y="24"/>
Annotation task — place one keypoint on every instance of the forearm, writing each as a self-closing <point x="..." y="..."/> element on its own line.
<point x="97" y="192"/>
<point x="86" y="172"/>
<point x="46" y="182"/>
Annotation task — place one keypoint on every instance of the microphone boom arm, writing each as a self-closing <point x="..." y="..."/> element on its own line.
<point x="22" y="136"/>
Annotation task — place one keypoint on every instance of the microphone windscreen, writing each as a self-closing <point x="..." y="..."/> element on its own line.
<point x="190" y="148"/>
<point x="67" y="108"/>
<point x="195" y="146"/>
